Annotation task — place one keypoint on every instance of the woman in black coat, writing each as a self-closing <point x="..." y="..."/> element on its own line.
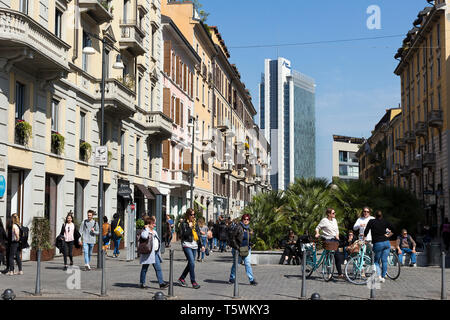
<point x="69" y="236"/>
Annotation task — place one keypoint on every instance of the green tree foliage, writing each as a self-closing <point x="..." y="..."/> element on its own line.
<point x="303" y="205"/>
<point x="203" y="14"/>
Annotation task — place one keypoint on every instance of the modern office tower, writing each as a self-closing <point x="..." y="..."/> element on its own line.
<point x="287" y="109"/>
<point x="345" y="161"/>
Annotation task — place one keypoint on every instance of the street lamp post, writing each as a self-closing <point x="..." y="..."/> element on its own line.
<point x="118" y="65"/>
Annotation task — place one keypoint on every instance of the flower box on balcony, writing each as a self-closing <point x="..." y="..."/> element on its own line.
<point x="85" y="151"/>
<point x="23" y="132"/>
<point x="58" y="142"/>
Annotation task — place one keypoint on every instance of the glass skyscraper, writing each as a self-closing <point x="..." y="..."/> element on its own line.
<point x="287" y="118"/>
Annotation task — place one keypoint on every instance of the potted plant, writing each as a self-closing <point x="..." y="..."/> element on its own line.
<point x="41" y="245"/>
<point x="23" y="131"/>
<point x="58" y="142"/>
<point x="85" y="151"/>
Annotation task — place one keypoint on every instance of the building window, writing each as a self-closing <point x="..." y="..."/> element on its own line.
<point x="20" y="101"/>
<point x="82" y="126"/>
<point x="122" y="150"/>
<point x="55" y="115"/>
<point x="343" y="156"/>
<point x="85" y="58"/>
<point x="139" y="88"/>
<point x="23" y="7"/>
<point x="79" y="200"/>
<point x="150" y="159"/>
<point x="58" y="23"/>
<point x="138" y="153"/>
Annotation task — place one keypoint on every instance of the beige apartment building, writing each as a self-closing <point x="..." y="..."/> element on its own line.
<point x="416" y="141"/>
<point x="231" y="157"/>
<point x="50" y="101"/>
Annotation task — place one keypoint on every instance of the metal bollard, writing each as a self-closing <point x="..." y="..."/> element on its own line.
<point x="443" y="289"/>
<point x="372" y="287"/>
<point x="103" y="288"/>
<point x="303" y="295"/>
<point x="170" y="293"/>
<point x="37" y="290"/>
<point x="236" y="286"/>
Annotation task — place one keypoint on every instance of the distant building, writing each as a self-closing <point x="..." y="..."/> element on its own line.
<point x="345" y="161"/>
<point x="287" y="108"/>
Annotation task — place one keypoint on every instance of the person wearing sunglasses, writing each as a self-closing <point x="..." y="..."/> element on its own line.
<point x="406" y="244"/>
<point x="190" y="241"/>
<point x="330" y="232"/>
<point x="240" y="244"/>
<point x="361" y="223"/>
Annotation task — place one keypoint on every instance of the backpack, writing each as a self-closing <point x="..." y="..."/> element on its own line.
<point x="23" y="237"/>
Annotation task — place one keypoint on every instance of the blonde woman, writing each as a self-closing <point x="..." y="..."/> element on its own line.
<point x="203" y="238"/>
<point x="14" y="245"/>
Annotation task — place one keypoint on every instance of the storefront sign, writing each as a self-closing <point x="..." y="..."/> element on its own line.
<point x="124" y="191"/>
<point x="2" y="186"/>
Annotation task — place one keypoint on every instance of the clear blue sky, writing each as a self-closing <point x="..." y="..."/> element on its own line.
<point x="355" y="80"/>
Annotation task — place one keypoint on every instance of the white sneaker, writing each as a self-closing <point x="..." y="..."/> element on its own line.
<point x="382" y="280"/>
<point x="345" y="262"/>
<point x="414" y="265"/>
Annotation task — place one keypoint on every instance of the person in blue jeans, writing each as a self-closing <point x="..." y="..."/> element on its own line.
<point x="241" y="241"/>
<point x="154" y="257"/>
<point x="381" y="232"/>
<point x="406" y="244"/>
<point x="190" y="241"/>
<point x="89" y="231"/>
<point x="116" y="239"/>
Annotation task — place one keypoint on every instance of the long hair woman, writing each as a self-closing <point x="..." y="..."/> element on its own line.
<point x="71" y="236"/>
<point x="381" y="232"/>
<point x="14" y="245"/>
<point x="190" y="241"/>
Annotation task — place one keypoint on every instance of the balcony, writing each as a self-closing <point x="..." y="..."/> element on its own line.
<point x="119" y="100"/>
<point x="429" y="160"/>
<point x="410" y="137"/>
<point x="158" y="124"/>
<point x="27" y="45"/>
<point x="132" y="38"/>
<point x="435" y="118"/>
<point x="421" y="129"/>
<point x="99" y="10"/>
<point x="181" y="179"/>
<point x="415" y="166"/>
<point x="400" y="144"/>
<point x="223" y="124"/>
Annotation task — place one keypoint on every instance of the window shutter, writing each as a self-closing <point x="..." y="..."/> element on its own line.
<point x="166" y="154"/>
<point x="187" y="160"/>
<point x="167" y="56"/>
<point x="181" y="115"/>
<point x="177" y="111"/>
<point x="166" y="101"/>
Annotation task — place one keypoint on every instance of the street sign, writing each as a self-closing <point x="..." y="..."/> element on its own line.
<point x="2" y="186"/>
<point x="101" y="156"/>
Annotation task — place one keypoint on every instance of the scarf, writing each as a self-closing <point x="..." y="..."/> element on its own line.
<point x="194" y="233"/>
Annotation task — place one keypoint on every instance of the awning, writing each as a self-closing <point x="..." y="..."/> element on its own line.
<point x="155" y="191"/>
<point x="145" y="191"/>
<point x="200" y="205"/>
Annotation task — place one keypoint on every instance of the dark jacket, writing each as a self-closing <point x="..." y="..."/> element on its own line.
<point x="113" y="226"/>
<point x="223" y="234"/>
<point x="242" y="237"/>
<point x="186" y="234"/>
<point x="215" y="230"/>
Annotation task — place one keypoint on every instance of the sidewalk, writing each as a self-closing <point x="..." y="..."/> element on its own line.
<point x="275" y="282"/>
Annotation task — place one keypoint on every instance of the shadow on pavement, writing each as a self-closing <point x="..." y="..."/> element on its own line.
<point x="126" y="285"/>
<point x="215" y="281"/>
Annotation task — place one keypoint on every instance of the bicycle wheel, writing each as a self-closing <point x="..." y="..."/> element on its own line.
<point x="310" y="264"/>
<point x="358" y="271"/>
<point x="393" y="265"/>
<point x="328" y="266"/>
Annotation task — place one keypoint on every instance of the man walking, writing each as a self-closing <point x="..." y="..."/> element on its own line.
<point x="89" y="232"/>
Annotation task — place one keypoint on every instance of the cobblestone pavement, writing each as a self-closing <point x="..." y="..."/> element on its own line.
<point x="275" y="282"/>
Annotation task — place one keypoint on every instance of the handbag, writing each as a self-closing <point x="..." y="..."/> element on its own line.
<point x="118" y="231"/>
<point x="243" y="250"/>
<point x="145" y="245"/>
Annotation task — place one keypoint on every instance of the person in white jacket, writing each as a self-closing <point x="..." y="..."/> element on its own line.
<point x="361" y="223"/>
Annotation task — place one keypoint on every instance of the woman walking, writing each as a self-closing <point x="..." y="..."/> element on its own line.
<point x="14" y="245"/>
<point x="203" y="239"/>
<point x="116" y="239"/>
<point x="190" y="241"/>
<point x="106" y="234"/>
<point x="154" y="256"/>
<point x="381" y="232"/>
<point x="71" y="237"/>
<point x="330" y="232"/>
